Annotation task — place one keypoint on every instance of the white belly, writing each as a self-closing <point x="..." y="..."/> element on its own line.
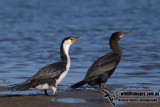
<point x="43" y="87"/>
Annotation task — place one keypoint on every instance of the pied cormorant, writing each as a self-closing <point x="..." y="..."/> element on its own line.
<point x="51" y="75"/>
<point x="102" y="69"/>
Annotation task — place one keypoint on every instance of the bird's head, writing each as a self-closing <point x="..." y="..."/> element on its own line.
<point x="119" y="35"/>
<point x="66" y="43"/>
<point x="114" y="41"/>
<point x="70" y="40"/>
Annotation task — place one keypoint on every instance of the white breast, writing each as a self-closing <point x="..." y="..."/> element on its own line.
<point x="66" y="46"/>
<point x="63" y="74"/>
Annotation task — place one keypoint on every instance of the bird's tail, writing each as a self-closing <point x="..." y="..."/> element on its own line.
<point x="20" y="87"/>
<point x="79" y="84"/>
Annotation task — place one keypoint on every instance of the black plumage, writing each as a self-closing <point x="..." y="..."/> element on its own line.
<point x="50" y="71"/>
<point x="103" y="68"/>
<point x="49" y="76"/>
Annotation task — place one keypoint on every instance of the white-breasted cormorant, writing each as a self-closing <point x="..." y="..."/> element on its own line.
<point x="102" y="69"/>
<point x="51" y="75"/>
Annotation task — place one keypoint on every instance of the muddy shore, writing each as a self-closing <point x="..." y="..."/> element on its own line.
<point x="67" y="98"/>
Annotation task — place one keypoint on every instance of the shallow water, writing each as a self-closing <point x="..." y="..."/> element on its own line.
<point x="31" y="33"/>
<point x="69" y="100"/>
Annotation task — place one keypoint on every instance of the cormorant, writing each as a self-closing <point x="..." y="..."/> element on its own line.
<point x="51" y="75"/>
<point x="102" y="69"/>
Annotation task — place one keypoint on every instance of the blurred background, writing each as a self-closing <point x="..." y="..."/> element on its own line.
<point x="31" y="32"/>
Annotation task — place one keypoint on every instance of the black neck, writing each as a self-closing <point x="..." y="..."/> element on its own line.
<point x="62" y="53"/>
<point x="115" y="46"/>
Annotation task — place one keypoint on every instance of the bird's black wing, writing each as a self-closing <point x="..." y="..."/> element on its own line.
<point x="106" y="63"/>
<point x="49" y="71"/>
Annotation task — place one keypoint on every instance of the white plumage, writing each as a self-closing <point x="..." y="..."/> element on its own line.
<point x="51" y="75"/>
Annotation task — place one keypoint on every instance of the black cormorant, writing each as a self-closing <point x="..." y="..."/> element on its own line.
<point x="51" y="75"/>
<point x="102" y="69"/>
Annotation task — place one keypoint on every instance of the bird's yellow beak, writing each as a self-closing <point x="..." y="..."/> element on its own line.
<point x="75" y="39"/>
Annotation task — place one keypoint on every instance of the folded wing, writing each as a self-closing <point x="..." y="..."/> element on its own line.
<point x="49" y="71"/>
<point x="104" y="64"/>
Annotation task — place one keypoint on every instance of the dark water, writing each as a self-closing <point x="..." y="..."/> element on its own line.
<point x="31" y="33"/>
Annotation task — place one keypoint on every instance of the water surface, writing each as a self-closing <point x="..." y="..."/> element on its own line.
<point x="31" y="33"/>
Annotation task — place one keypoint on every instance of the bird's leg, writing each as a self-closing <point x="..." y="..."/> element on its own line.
<point x="53" y="89"/>
<point x="103" y="86"/>
<point x="45" y="92"/>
